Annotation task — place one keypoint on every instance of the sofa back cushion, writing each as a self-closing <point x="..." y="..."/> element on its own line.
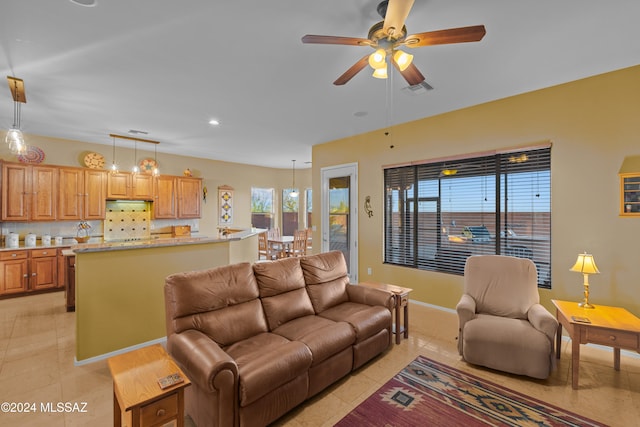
<point x="326" y="277"/>
<point x="282" y="291"/>
<point x="221" y="302"/>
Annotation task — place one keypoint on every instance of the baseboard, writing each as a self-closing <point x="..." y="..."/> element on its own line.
<point x="94" y="359"/>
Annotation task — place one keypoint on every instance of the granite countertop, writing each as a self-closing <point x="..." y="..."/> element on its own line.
<point x="159" y="242"/>
<point x="71" y="247"/>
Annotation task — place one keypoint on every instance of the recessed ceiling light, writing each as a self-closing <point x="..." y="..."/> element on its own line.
<point x="85" y="3"/>
<point x="360" y="113"/>
<point x="214" y="122"/>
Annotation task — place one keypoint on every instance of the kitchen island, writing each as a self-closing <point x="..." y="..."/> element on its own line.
<point x="120" y="286"/>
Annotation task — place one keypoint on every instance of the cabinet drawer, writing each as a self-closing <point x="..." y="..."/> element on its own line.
<point x="39" y="253"/>
<point x="9" y="255"/>
<point x="622" y="339"/>
<point x="159" y="411"/>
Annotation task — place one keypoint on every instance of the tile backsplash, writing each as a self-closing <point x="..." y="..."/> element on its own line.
<point x="127" y="220"/>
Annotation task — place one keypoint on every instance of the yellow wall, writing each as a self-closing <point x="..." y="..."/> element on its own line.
<point x="120" y="302"/>
<point x="593" y="124"/>
<point x="214" y="173"/>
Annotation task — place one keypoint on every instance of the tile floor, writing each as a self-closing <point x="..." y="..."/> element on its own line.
<point x="37" y="349"/>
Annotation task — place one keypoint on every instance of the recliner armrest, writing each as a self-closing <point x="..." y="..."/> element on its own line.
<point x="542" y="320"/>
<point x="466" y="309"/>
<point x="204" y="362"/>
<point x="371" y="296"/>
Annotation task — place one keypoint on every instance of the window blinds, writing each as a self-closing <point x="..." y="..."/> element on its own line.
<point x="438" y="214"/>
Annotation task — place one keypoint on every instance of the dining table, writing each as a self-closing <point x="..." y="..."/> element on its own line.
<point x="280" y="245"/>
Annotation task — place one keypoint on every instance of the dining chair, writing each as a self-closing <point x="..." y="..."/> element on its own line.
<point x="299" y="245"/>
<point x="263" y="246"/>
<point x="309" y="243"/>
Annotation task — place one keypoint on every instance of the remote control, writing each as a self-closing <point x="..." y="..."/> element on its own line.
<point x="170" y="380"/>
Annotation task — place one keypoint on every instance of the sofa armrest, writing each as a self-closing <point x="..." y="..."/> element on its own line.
<point x="542" y="320"/>
<point x="466" y="310"/>
<point x="371" y="296"/>
<point x="203" y="361"/>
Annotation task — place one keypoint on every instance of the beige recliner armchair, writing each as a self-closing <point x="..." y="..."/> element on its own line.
<point x="503" y="326"/>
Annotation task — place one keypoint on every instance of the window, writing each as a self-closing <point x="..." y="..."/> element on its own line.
<point x="289" y="211"/>
<point x="438" y="214"/>
<point x="262" y="207"/>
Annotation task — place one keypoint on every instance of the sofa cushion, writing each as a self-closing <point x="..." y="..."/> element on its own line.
<point x="324" y="337"/>
<point x="265" y="362"/>
<point x="274" y="278"/>
<point x="282" y="290"/>
<point x="205" y="290"/>
<point x="366" y="320"/>
<point x="285" y="307"/>
<point x="323" y="267"/>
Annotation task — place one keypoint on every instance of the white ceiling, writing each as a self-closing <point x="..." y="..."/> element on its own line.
<point x="167" y="67"/>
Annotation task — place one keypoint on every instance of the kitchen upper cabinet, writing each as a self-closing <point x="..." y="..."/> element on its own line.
<point x="124" y="185"/>
<point x="29" y="192"/>
<point x="189" y="191"/>
<point x="82" y="194"/>
<point x="165" y="202"/>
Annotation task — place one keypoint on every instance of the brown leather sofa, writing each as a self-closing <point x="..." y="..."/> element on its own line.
<point x="257" y="340"/>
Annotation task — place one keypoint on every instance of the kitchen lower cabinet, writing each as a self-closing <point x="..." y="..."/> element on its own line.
<point x="24" y="271"/>
<point x="43" y="269"/>
<point x="14" y="272"/>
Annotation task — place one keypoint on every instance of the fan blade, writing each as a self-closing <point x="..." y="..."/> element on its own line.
<point x="411" y="74"/>
<point x="452" y="35"/>
<point x="397" y="12"/>
<point x="355" y="69"/>
<point x="350" y="41"/>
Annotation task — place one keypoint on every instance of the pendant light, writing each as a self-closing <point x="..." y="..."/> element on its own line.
<point x="156" y="170"/>
<point x="294" y="191"/>
<point x="114" y="165"/>
<point x="135" y="169"/>
<point x="14" y="137"/>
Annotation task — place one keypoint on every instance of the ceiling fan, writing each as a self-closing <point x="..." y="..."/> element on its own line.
<point x="387" y="36"/>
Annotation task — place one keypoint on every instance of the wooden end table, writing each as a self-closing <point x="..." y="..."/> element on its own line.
<point x="136" y="389"/>
<point x="610" y="326"/>
<point x="401" y="302"/>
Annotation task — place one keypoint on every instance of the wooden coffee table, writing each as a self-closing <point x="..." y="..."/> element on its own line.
<point x="611" y="326"/>
<point x="136" y="392"/>
<point x="401" y="302"/>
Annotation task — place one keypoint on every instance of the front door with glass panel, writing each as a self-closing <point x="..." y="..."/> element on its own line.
<point x="339" y="214"/>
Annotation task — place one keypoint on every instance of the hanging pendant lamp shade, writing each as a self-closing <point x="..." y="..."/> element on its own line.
<point x="294" y="191"/>
<point x="14" y="137"/>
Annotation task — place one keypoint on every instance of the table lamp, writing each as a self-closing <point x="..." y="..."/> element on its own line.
<point x="585" y="265"/>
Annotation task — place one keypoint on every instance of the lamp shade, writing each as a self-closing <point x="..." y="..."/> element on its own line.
<point x="585" y="264"/>
<point x="376" y="59"/>
<point x="380" y="73"/>
<point x="403" y="59"/>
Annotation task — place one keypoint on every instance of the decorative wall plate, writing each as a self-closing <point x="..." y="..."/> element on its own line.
<point x="94" y="161"/>
<point x="148" y="165"/>
<point x="32" y="154"/>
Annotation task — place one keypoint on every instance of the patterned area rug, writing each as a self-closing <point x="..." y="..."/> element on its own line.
<point x="428" y="393"/>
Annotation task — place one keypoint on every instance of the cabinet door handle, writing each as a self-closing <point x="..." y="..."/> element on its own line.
<point x="160" y="412"/>
<point x="14" y="255"/>
<point x="44" y="253"/>
<point x="33" y="274"/>
<point x="25" y="276"/>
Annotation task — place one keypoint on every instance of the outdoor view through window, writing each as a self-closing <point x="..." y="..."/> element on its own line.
<point x="438" y="214"/>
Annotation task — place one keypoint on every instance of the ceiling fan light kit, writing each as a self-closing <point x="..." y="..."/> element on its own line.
<point x="387" y="36"/>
